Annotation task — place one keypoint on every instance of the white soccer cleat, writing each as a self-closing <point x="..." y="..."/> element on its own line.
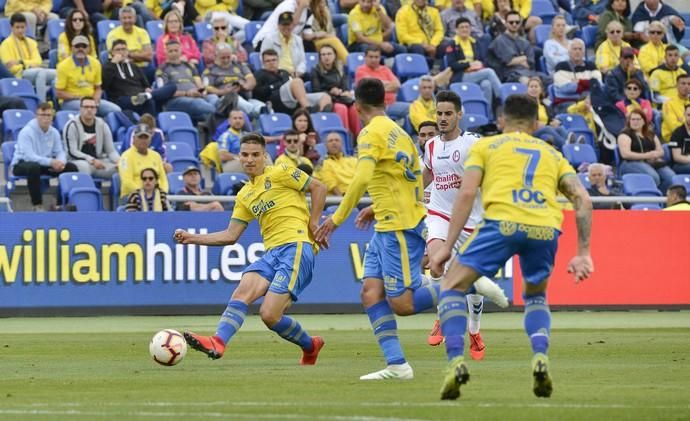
<point x="492" y="291"/>
<point x="392" y="372"/>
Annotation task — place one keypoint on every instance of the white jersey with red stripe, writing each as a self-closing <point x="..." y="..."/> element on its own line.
<point x="427" y="189"/>
<point x="446" y="162"/>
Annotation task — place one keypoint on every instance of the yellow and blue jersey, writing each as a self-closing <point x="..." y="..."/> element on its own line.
<point x="396" y="187"/>
<point x="277" y="200"/>
<point x="521" y="178"/>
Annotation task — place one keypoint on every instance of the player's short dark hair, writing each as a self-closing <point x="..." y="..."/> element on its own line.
<point x="269" y="52"/>
<point x="427" y="123"/>
<point x="117" y="42"/>
<point x="520" y="107"/>
<point x="17" y="18"/>
<point x="462" y="19"/>
<point x="679" y="190"/>
<point x="370" y="92"/>
<point x="450" y="96"/>
<point x="253" y="138"/>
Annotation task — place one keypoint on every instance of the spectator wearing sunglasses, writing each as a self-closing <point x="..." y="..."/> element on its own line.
<point x="294" y="146"/>
<point x="633" y="100"/>
<point x="138" y="158"/>
<point x="609" y="52"/>
<point x="652" y="54"/>
<point x="221" y="35"/>
<point x="616" y="79"/>
<point x="149" y="197"/>
<point x="75" y="24"/>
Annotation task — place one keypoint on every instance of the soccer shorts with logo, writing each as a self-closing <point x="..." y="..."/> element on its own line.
<point x="288" y="268"/>
<point x="494" y="242"/>
<point x="395" y="257"/>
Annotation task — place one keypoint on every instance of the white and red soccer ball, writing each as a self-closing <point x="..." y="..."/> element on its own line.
<point x="168" y="347"/>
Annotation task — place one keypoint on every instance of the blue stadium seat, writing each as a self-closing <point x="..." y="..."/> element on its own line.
<point x="175" y="182"/>
<point x="398" y="110"/>
<point x="155" y="29"/>
<point x="325" y="121"/>
<point x="7" y="153"/>
<point x="104" y="28"/>
<point x="255" y="61"/>
<point x="510" y="88"/>
<point x="541" y="65"/>
<point x="683" y="180"/>
<point x="62" y="117"/>
<point x="312" y="61"/>
<point x="6" y="206"/>
<point x="646" y="207"/>
<point x="274" y="124"/>
<point x="251" y="29"/>
<point x="544" y="9"/>
<point x="470" y="121"/>
<point x="52" y="58"/>
<point x="104" y="57"/>
<point x="272" y="150"/>
<point x="14" y="121"/>
<point x="343" y="33"/>
<point x="80" y="190"/>
<point x="225" y="182"/>
<point x="408" y="66"/>
<point x="542" y="33"/>
<point x="180" y="155"/>
<point x="573" y="121"/>
<point x="178" y="127"/>
<point x="114" y="191"/>
<point x="578" y="154"/>
<point x="473" y="101"/>
<point x="354" y="60"/>
<point x="639" y="185"/>
<point x="589" y="35"/>
<point x="584" y="179"/>
<point x="321" y="149"/>
<point x="21" y="88"/>
<point x="6" y="29"/>
<point x="409" y="90"/>
<point x="55" y="27"/>
<point x="203" y="31"/>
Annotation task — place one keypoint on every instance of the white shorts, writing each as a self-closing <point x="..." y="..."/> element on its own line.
<point x="437" y="229"/>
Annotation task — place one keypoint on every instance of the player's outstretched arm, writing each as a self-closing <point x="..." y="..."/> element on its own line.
<point x="318" y="192"/>
<point x="219" y="238"/>
<point x="580" y="266"/>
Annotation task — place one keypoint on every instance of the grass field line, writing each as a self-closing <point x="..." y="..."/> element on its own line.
<point x="546" y="405"/>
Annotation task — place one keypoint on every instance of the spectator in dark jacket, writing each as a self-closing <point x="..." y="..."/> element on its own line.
<point x="651" y="10"/>
<point x="616" y="78"/>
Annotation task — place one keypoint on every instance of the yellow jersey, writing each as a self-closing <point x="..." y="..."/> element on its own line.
<point x="368" y="24"/>
<point x="276" y="200"/>
<point x="396" y="186"/>
<point x="286" y="160"/>
<point x="421" y="111"/>
<point x="78" y="80"/>
<point x="521" y="178"/>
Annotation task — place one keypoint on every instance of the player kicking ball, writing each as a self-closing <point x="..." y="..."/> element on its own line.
<point x="519" y="176"/>
<point x="443" y="170"/>
<point x="389" y="169"/>
<point x="275" y="196"/>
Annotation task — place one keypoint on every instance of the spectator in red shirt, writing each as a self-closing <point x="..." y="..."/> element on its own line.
<point x="372" y="68"/>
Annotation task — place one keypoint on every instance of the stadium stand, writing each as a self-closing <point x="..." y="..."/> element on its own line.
<point x="13" y="121"/>
<point x="180" y="155"/>
<point x="21" y="88"/>
<point x="579" y="154"/>
<point x="79" y="189"/>
<point x="178" y="127"/>
<point x="225" y="182"/>
<point x="639" y="185"/>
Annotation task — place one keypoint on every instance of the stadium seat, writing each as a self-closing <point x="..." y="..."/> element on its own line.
<point x="225" y="182"/>
<point x="321" y="149"/>
<point x="683" y="180"/>
<point x="544" y="9"/>
<point x="255" y="61"/>
<point x="325" y="121"/>
<point x="202" y="31"/>
<point x="7" y="154"/>
<point x="251" y="29"/>
<point x="104" y="28"/>
<point x="354" y="60"/>
<point x="473" y="101"/>
<point x="668" y="157"/>
<point x="55" y="27"/>
<point x="573" y="121"/>
<point x="6" y="29"/>
<point x="6" y="206"/>
<point x="312" y="61"/>
<point x="639" y="185"/>
<point x="175" y="182"/>
<point x="274" y="124"/>
<point x="409" y="90"/>
<point x="178" y="127"/>
<point x="114" y="191"/>
<point x="470" y="121"/>
<point x="21" y="88"/>
<point x="52" y="58"/>
<point x="510" y="88"/>
<point x="62" y="117"/>
<point x="343" y="33"/>
<point x="646" y="207"/>
<point x="398" y="110"/>
<point x="584" y="179"/>
<point x="155" y="29"/>
<point x="80" y="190"/>
<point x="104" y="57"/>
<point x="14" y="121"/>
<point x="272" y="150"/>
<point x="589" y="35"/>
<point x="408" y="66"/>
<point x="541" y="65"/>
<point x="180" y="155"/>
<point x="578" y="154"/>
<point x="542" y="33"/>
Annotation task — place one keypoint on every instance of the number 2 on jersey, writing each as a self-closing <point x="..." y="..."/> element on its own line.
<point x="406" y="162"/>
<point x="533" y="156"/>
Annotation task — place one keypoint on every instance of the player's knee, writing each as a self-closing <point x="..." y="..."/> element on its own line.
<point x="402" y="307"/>
<point x="371" y="293"/>
<point x="269" y="317"/>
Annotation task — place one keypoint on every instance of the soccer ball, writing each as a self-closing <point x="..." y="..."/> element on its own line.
<point x="168" y="347"/>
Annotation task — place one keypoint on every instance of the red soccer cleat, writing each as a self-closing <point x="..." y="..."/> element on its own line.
<point x="309" y="358"/>
<point x="212" y="346"/>
<point x="477" y="347"/>
<point x="435" y="336"/>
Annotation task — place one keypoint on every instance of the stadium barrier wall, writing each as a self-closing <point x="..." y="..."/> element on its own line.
<point x="129" y="260"/>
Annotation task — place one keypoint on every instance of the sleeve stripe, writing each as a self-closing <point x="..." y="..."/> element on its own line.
<point x="239" y="221"/>
<point x="371" y="158"/>
<point x="474" y="167"/>
<point x="306" y="184"/>
<point x="568" y="174"/>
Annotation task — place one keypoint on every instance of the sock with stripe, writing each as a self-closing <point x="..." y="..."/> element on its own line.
<point x="425" y="297"/>
<point x="386" y="331"/>
<point x="452" y="310"/>
<point x="475" y="305"/>
<point x="537" y="322"/>
<point x="231" y="320"/>
<point x="290" y="330"/>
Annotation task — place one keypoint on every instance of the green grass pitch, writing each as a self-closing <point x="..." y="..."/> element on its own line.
<point x="605" y="365"/>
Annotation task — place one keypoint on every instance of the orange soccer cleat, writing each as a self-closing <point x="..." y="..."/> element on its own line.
<point x="435" y="336"/>
<point x="212" y="346"/>
<point x="477" y="347"/>
<point x="309" y="358"/>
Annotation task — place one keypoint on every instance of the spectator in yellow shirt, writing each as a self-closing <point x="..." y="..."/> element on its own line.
<point x="673" y="110"/>
<point x="609" y="52"/>
<point x="338" y="170"/>
<point x="36" y="12"/>
<point x="419" y="28"/>
<point x="677" y="198"/>
<point x="294" y="145"/>
<point x="652" y="53"/>
<point x="662" y="80"/>
<point x="76" y="23"/>
<point x="137" y="39"/>
<point x="368" y="24"/>
<point x="137" y="158"/>
<point x="424" y="107"/>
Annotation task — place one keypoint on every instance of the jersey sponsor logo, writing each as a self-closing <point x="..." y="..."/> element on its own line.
<point x="447" y="182"/>
<point x="528" y="196"/>
<point x="507" y="228"/>
<point x="537" y="233"/>
<point x="297" y="174"/>
<point x="267" y="184"/>
<point x="262" y="207"/>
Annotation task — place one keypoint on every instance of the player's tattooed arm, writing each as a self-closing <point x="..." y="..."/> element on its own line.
<point x="571" y="187"/>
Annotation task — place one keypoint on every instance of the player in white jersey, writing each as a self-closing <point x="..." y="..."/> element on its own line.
<point x="443" y="169"/>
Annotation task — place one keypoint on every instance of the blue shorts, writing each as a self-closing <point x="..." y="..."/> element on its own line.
<point x="494" y="242"/>
<point x="288" y="268"/>
<point x="396" y="257"/>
